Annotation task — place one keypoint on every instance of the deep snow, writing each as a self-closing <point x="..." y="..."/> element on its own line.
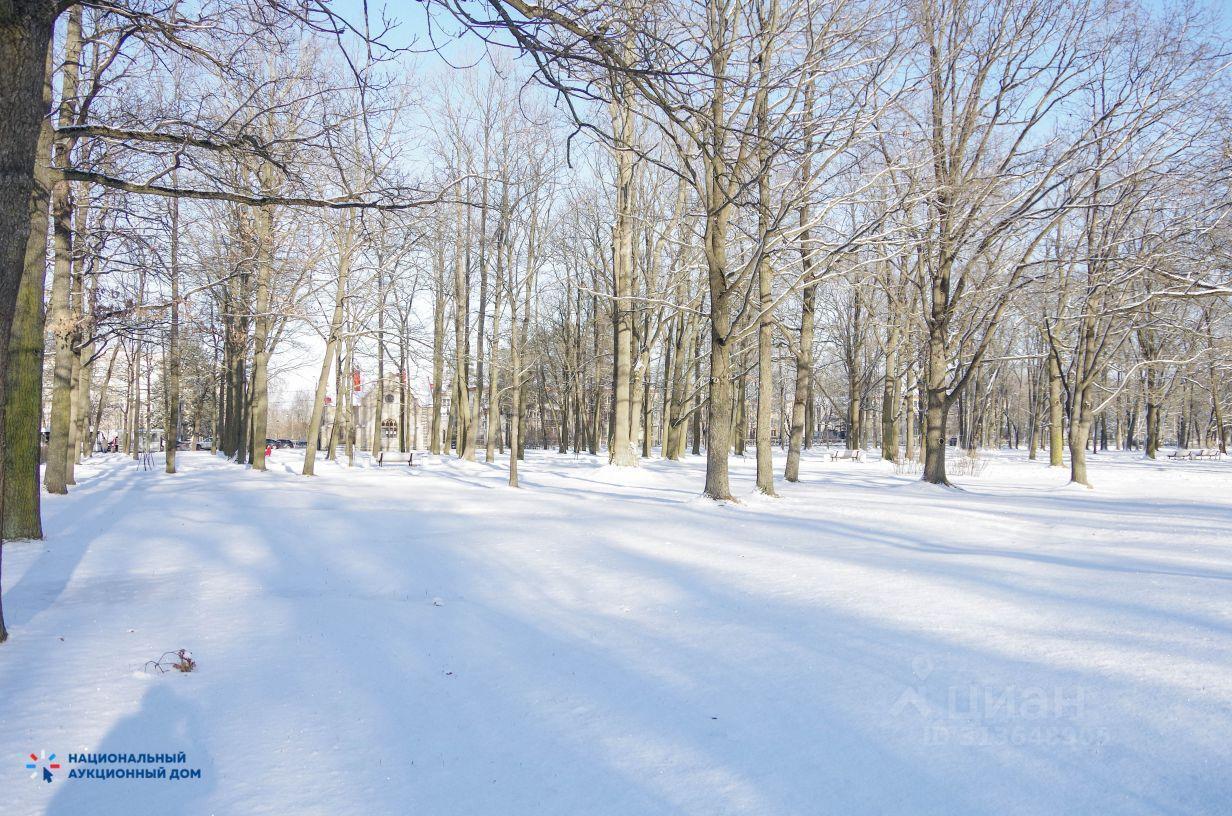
<point x="429" y="641"/>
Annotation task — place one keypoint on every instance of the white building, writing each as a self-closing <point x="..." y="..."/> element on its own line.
<point x="403" y="427"/>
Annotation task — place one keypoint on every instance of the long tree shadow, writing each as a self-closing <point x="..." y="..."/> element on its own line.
<point x="67" y="539"/>
<point x="168" y="721"/>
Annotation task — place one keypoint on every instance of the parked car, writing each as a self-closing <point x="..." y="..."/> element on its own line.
<point x="285" y="443"/>
<point x="205" y="443"/>
<point x="301" y="443"/>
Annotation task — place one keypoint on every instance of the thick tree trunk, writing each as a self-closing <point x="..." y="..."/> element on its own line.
<point x="60" y="318"/>
<point x="622" y="452"/>
<point x="720" y="406"/>
<point x="24" y="390"/>
<point x="25" y="34"/>
<point x="934" y="440"/>
<point x="937" y="405"/>
<point x="1079" y="435"/>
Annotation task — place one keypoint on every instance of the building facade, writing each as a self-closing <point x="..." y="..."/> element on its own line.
<point x="403" y="419"/>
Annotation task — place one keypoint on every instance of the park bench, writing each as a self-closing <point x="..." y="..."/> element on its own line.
<point x="856" y="455"/>
<point x="1196" y="453"/>
<point x="395" y="458"/>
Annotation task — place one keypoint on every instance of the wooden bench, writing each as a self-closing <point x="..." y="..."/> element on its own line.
<point x="1179" y="453"/>
<point x="856" y="455"/>
<point x="395" y="458"/>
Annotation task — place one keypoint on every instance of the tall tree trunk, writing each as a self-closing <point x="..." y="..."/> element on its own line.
<point x="25" y="35"/>
<point x="1079" y="435"/>
<point x="493" y="380"/>
<point x="24" y="390"/>
<point x="348" y="408"/>
<point x="172" y="411"/>
<point x="937" y="403"/>
<point x="263" y="222"/>
<point x="140" y="434"/>
<point x="83" y="431"/>
<point x="909" y="403"/>
<point x="804" y="354"/>
<point x="697" y="400"/>
<point x="767" y="23"/>
<point x="60" y="318"/>
<point x="515" y="384"/>
<point x="331" y="351"/>
<point x="890" y="396"/>
<point x="720" y="407"/>
<point x="1151" y="398"/>
<point x="103" y="389"/>
<point x="438" y="353"/>
<point x="378" y="403"/>
<point x="461" y="405"/>
<point x="1056" y="414"/>
<point x="621" y="451"/>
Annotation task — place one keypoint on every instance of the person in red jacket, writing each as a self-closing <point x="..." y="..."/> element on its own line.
<point x="268" y="450"/>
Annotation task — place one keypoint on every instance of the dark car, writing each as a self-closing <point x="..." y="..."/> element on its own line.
<point x="285" y="443"/>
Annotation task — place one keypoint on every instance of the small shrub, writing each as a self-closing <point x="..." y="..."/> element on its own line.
<point x="908" y="467"/>
<point x="969" y="465"/>
<point x="181" y="661"/>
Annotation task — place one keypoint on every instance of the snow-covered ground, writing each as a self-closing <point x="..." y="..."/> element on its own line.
<point x="429" y="641"/>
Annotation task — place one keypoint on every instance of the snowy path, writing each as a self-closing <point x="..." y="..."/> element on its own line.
<point x="432" y="642"/>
